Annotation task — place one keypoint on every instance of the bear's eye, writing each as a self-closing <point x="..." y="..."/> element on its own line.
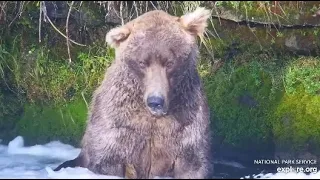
<point x="169" y="64"/>
<point x="142" y="64"/>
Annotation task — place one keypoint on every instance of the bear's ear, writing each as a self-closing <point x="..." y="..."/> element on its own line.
<point x="116" y="35"/>
<point x="196" y="21"/>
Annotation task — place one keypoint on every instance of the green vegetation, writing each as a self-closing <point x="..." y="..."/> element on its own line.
<point x="53" y="91"/>
<point x="296" y="117"/>
<point x="282" y="12"/>
<point x="10" y="111"/>
<point x="257" y="101"/>
<point x="43" y="124"/>
<point x="305" y="72"/>
<point x="242" y="93"/>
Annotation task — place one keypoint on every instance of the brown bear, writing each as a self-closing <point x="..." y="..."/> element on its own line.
<point x="149" y="117"/>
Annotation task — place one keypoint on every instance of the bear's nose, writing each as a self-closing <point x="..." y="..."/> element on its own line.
<point x="155" y="102"/>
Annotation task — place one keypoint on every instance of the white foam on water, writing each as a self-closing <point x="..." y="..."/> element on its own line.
<point x="54" y="149"/>
<point x="289" y="175"/>
<point x="38" y="161"/>
<point x="75" y="173"/>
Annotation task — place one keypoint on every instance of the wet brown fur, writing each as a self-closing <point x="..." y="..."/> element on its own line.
<point x="154" y="52"/>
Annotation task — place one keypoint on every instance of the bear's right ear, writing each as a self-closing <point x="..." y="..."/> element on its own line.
<point x="116" y="35"/>
<point x="195" y="22"/>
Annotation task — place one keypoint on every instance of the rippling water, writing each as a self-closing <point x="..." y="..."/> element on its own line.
<point x="19" y="161"/>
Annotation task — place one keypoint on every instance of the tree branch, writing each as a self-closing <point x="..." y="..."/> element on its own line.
<point x="44" y="10"/>
<point x="67" y="30"/>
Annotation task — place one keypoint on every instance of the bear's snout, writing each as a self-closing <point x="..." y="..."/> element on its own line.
<point x="156" y="105"/>
<point x="155" y="102"/>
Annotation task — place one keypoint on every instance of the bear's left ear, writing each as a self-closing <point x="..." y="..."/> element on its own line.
<point x="196" y="21"/>
<point x="116" y="35"/>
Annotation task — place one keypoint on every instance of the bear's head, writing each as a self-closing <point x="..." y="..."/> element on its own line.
<point x="159" y="49"/>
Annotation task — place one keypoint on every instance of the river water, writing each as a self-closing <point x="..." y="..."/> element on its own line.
<point x="19" y="161"/>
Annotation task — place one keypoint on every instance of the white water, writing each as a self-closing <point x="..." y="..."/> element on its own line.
<point x="19" y="161"/>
